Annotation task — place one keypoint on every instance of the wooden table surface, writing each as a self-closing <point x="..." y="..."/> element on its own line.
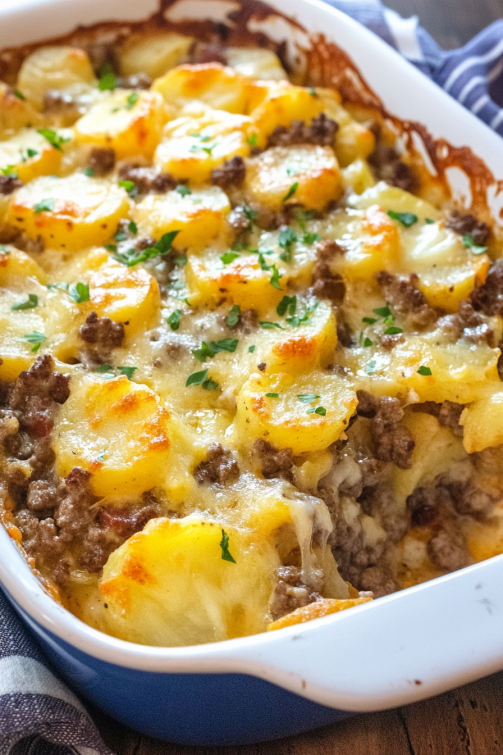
<point x="467" y="721"/>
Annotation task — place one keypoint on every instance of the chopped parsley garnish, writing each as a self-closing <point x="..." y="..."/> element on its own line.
<point x="45" y="205"/>
<point x="111" y="248"/>
<point x="297" y="320"/>
<point x="233" y="316"/>
<point x="197" y="378"/>
<point x="129" y="186"/>
<point x="18" y="94"/>
<point x="209" y="385"/>
<point x="252" y="140"/>
<point x="272" y="395"/>
<point x="174" y="319"/>
<point x="30" y="303"/>
<point x="472" y="246"/>
<point x="35" y="338"/>
<point x="266" y="325"/>
<point x="429" y="221"/>
<point x="127" y="371"/>
<point x="180" y="261"/>
<point x="101" y="457"/>
<point x="310" y="238"/>
<point x="405" y="218"/>
<point x="367" y="342"/>
<point x="393" y="331"/>
<point x="79" y="292"/>
<point x="369" y="320"/>
<point x="287" y="237"/>
<point x="183" y="190"/>
<point x="29" y="153"/>
<point x="370" y="366"/>
<point x="133" y="228"/>
<point x="302" y="216"/>
<point x="312" y="91"/>
<point x="62" y="285"/>
<point x="4" y="249"/>
<point x="120" y="235"/>
<point x="224" y="544"/>
<point x="160" y="249"/>
<point x="54" y="139"/>
<point x="291" y="191"/>
<point x="250" y="215"/>
<point x="251" y="349"/>
<point x="107" y="82"/>
<point x="89" y="172"/>
<point x="320" y="410"/>
<point x="104" y="368"/>
<point x="307" y="398"/>
<point x="275" y="278"/>
<point x="382" y="312"/>
<point x="292" y="172"/>
<point x="424" y="371"/>
<point x="131" y="100"/>
<point x="209" y="350"/>
<point x="287" y="303"/>
<point x="229" y="257"/>
<point x="8" y="171"/>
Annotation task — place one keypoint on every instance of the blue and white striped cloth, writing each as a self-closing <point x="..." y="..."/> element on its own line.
<point x="38" y="713"/>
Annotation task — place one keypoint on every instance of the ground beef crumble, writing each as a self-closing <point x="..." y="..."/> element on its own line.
<point x="393" y="442"/>
<point x="291" y="592"/>
<point x="220" y="467"/>
<point x="388" y="167"/>
<point x="468" y="225"/>
<point x="448" y="414"/>
<point x="328" y="285"/>
<point x="274" y="463"/>
<point x="103" y="335"/>
<point x="101" y="160"/>
<point x="9" y="184"/>
<point x="406" y="299"/>
<point x="147" y="179"/>
<point x="467" y="324"/>
<point x="321" y="131"/>
<point x="489" y="297"/>
<point x="231" y="173"/>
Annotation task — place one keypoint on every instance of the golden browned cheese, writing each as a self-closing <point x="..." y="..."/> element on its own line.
<point x="230" y="233"/>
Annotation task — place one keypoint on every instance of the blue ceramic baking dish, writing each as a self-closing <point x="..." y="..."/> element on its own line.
<point x="397" y="650"/>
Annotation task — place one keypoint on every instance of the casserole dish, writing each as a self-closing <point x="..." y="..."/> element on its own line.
<point x="273" y="685"/>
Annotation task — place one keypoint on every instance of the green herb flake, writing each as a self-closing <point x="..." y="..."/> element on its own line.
<point x="120" y="235"/>
<point x="33" y="152"/>
<point x="369" y="320"/>
<point x="252" y="140"/>
<point x="302" y="216"/>
<point x="429" y="221"/>
<point x="272" y="395"/>
<point x="472" y="246"/>
<point x="251" y="349"/>
<point x="203" y="353"/>
<point x="209" y="385"/>
<point x="110" y="248"/>
<point x="310" y="238"/>
<point x="18" y="94"/>
<point x="312" y="91"/>
<point x="405" y="218"/>
<point x="180" y="261"/>
<point x="229" y="257"/>
<point x="30" y="303"/>
<point x="393" y="331"/>
<point x="287" y="237"/>
<point x="62" y="285"/>
<point x="302" y="319"/>
<point x="275" y="278"/>
<point x="291" y="191"/>
<point x="270" y="325"/>
<point x="4" y="249"/>
<point x="226" y="344"/>
<point x="197" y="378"/>
<point x="367" y="342"/>
<point x="320" y="410"/>
<point x="292" y="172"/>
<point x="9" y="171"/>
<point x="382" y="312"/>
<point x="35" y="338"/>
<point x="45" y="205"/>
<point x="129" y="186"/>
<point x="54" y="139"/>
<point x="133" y="228"/>
<point x="233" y="316"/>
<point x="287" y="304"/>
<point x="160" y="249"/>
<point x="89" y="172"/>
<point x="183" y="190"/>
<point x="424" y="371"/>
<point x="307" y="398"/>
<point x="131" y="100"/>
<point x="102" y="455"/>
<point x="127" y="371"/>
<point x="174" y="319"/>
<point x="79" y="292"/>
<point x="107" y="82"/>
<point x="104" y="368"/>
<point x="370" y="367"/>
<point x="224" y="544"/>
<point x="250" y="214"/>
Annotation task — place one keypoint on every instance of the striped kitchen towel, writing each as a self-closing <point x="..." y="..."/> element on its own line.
<point x="38" y="713"/>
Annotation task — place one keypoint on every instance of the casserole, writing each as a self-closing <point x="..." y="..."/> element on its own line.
<point x="325" y="686"/>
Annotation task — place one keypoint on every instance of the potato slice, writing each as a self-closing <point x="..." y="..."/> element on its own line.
<point x="153" y="54"/>
<point x="188" y="581"/>
<point x="210" y="83"/>
<point x="278" y="103"/>
<point x="306" y="175"/>
<point x="257" y="63"/>
<point x="69" y="213"/>
<point x="15" y="113"/>
<point x="269" y="407"/>
<point x="53" y="67"/>
<point x="29" y="155"/>
<point x="199" y="217"/>
<point x="129" y="122"/>
<point x="119" y="431"/>
<point x="192" y="147"/>
<point x="16" y="266"/>
<point x="483" y="422"/>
